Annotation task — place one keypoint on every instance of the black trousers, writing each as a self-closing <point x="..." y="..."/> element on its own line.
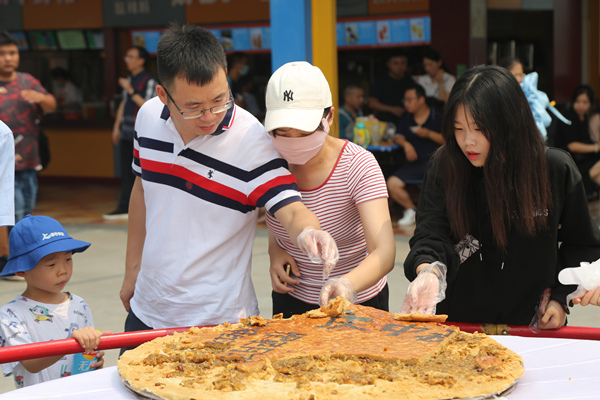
<point x="132" y="324"/>
<point x="127" y="176"/>
<point x="287" y="305"/>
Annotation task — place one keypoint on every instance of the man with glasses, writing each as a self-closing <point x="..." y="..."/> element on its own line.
<point x="419" y="135"/>
<point x="138" y="87"/>
<point x="203" y="168"/>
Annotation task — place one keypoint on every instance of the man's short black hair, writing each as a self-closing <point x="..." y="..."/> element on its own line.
<point x="7" y="38"/>
<point x="143" y="53"/>
<point x="396" y="53"/>
<point x="191" y="53"/>
<point x="419" y="90"/>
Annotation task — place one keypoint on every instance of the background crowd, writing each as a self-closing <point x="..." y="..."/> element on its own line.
<point x="202" y="121"/>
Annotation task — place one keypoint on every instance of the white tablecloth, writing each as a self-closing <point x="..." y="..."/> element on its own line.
<point x="554" y="369"/>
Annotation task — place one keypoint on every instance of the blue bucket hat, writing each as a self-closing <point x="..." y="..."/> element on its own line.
<point x="33" y="238"/>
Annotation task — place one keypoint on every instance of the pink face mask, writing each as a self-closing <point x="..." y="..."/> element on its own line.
<point x="298" y="150"/>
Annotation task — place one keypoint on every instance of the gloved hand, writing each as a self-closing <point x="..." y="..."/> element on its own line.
<point x="320" y="248"/>
<point x="337" y="287"/>
<point x="428" y="289"/>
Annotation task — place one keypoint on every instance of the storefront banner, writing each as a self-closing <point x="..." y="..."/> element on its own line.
<point x="11" y="17"/>
<point x="62" y="14"/>
<point x="147" y="39"/>
<point x="21" y="39"/>
<point x="248" y="39"/>
<point x="43" y="40"/>
<point x="384" y="32"/>
<point x="411" y="30"/>
<point x="138" y="13"/>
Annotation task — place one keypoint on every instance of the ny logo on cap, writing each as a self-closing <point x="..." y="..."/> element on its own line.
<point x="288" y="95"/>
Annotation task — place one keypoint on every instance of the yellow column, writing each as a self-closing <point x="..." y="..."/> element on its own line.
<point x="324" y="47"/>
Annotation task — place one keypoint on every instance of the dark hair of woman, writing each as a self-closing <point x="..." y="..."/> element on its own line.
<point x="325" y="115"/>
<point x="587" y="90"/>
<point x="515" y="173"/>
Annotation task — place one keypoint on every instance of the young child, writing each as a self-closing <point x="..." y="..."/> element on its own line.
<point x="41" y="251"/>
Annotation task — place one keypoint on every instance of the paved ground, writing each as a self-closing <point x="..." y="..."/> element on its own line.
<point x="98" y="274"/>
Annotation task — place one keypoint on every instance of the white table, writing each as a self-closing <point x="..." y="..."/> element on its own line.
<point x="554" y="369"/>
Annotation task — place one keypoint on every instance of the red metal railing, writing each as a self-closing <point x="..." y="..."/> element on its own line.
<point x="132" y="339"/>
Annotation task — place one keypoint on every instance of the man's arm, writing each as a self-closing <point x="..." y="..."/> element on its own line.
<point x="46" y="101"/>
<point x="304" y="231"/>
<point x="116" y="132"/>
<point x="295" y="218"/>
<point x="136" y="235"/>
<point x="378" y="106"/>
<point x="138" y="99"/>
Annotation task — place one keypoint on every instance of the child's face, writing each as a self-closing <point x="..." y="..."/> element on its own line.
<point x="51" y="274"/>
<point x="470" y="139"/>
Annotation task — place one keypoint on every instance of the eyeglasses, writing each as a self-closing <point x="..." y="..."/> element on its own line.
<point x="409" y="99"/>
<point x="192" y="114"/>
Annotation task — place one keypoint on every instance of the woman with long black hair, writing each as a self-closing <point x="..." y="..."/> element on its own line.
<point x="500" y="214"/>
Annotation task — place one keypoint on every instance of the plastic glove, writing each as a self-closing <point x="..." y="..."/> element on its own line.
<point x="337" y="287"/>
<point x="428" y="289"/>
<point x="320" y="248"/>
<point x="591" y="297"/>
<point x="587" y="276"/>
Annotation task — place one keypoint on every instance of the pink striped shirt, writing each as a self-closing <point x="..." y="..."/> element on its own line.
<point x="356" y="178"/>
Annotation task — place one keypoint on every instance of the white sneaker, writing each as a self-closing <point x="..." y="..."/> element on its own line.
<point x="408" y="218"/>
<point x="116" y="216"/>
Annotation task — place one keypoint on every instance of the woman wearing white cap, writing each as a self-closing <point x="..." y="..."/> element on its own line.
<point x="342" y="184"/>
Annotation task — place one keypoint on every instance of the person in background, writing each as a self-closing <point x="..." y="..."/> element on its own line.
<point x="387" y="91"/>
<point x="22" y="100"/>
<point x="342" y="184"/>
<point x="419" y="135"/>
<point x="42" y="251"/>
<point x="68" y="95"/>
<point x="437" y="81"/>
<point x="7" y="189"/>
<point x="501" y="214"/>
<point x="580" y="143"/>
<point x="203" y="168"/>
<point x="515" y="67"/>
<point x="138" y="87"/>
<point x="237" y="67"/>
<point x="250" y="102"/>
<point x="352" y="108"/>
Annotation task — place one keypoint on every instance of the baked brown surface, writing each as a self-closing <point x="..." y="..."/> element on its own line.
<point x="360" y="353"/>
<point x="421" y="317"/>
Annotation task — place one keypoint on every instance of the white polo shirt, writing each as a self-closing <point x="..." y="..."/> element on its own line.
<point x="201" y="214"/>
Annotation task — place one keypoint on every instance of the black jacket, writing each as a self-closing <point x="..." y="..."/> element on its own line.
<point x="491" y="286"/>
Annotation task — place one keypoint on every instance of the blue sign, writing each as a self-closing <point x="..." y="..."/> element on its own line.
<point x="384" y="32"/>
<point x="244" y="39"/>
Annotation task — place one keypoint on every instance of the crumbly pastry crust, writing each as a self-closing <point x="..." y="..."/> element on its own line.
<point x="343" y="351"/>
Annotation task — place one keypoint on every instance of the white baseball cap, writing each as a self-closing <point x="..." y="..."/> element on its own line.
<point x="297" y="96"/>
